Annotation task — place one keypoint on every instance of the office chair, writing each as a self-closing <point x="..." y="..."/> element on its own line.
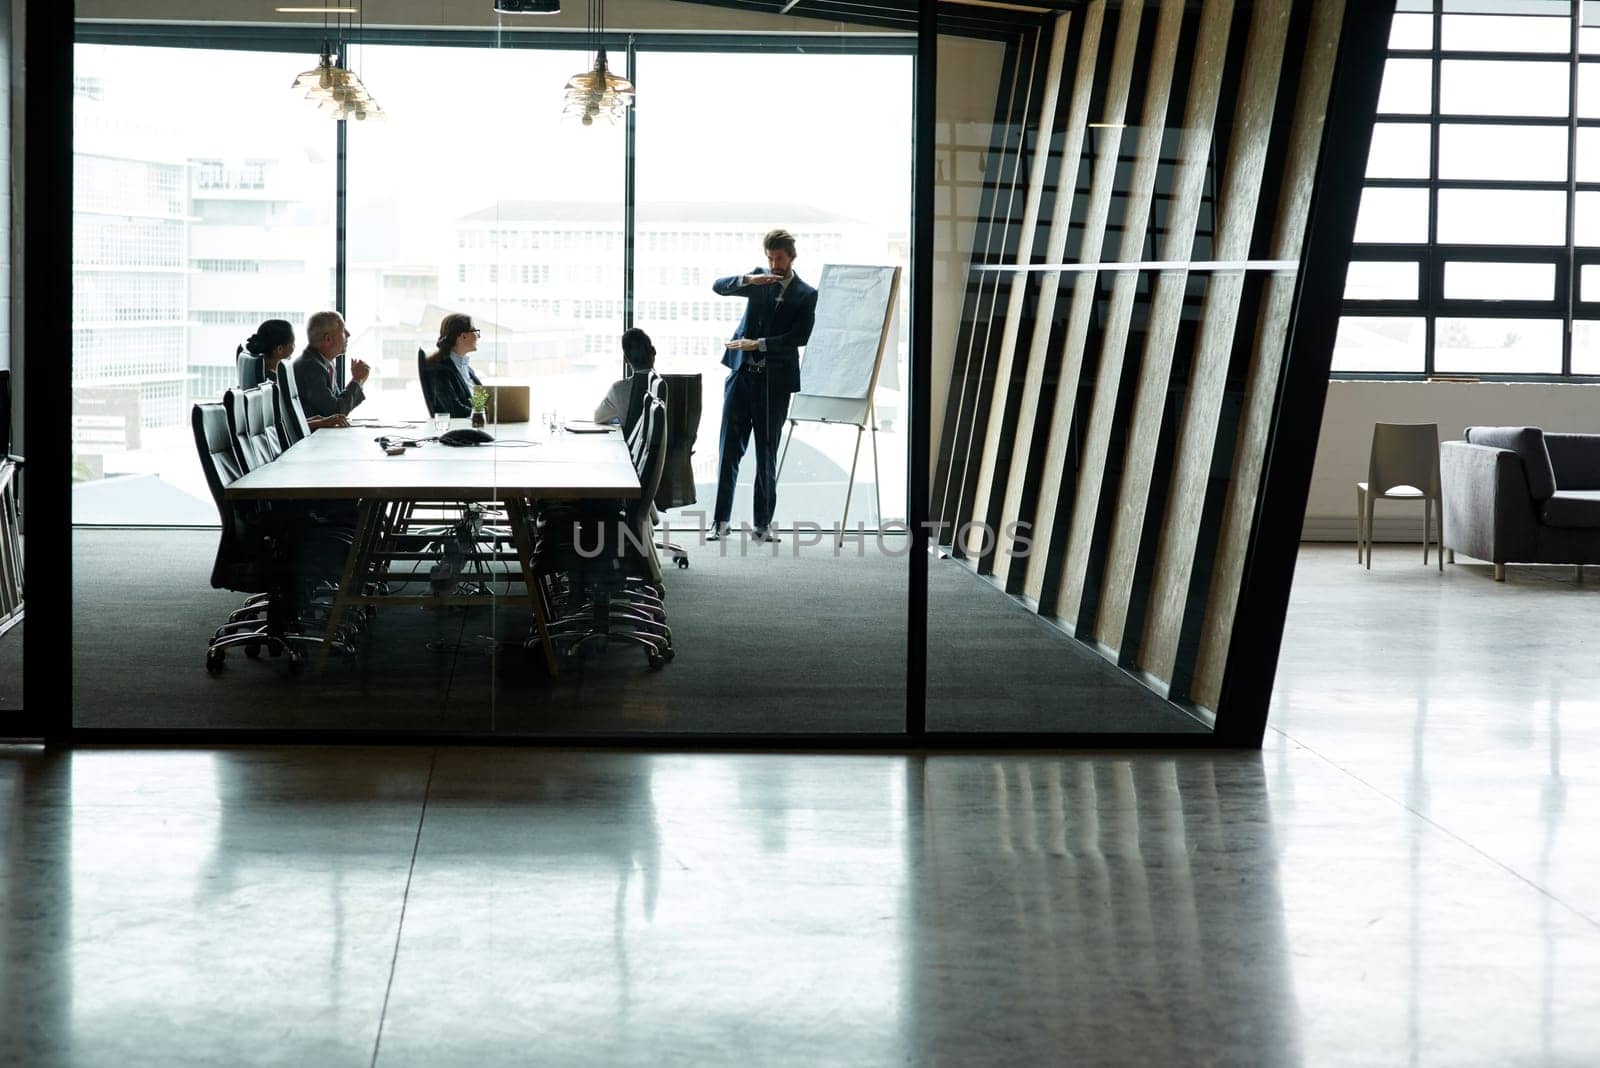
<point x="276" y="555"/>
<point x="649" y="384"/>
<point x="642" y="384"/>
<point x="253" y="422"/>
<point x="292" y="425"/>
<point x="425" y="380"/>
<point x="616" y="592"/>
<point x="252" y="369"/>
<point x="683" y="426"/>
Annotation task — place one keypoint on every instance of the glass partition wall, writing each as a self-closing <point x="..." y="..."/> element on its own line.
<point x="1082" y="362"/>
<point x="494" y="588"/>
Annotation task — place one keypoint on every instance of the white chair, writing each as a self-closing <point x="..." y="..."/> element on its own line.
<point x="1403" y="466"/>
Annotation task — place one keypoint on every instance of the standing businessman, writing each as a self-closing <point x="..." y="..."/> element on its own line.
<point x="763" y="360"/>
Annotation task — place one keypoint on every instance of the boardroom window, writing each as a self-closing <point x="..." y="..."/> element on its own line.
<point x="465" y="230"/>
<point x="186" y="225"/>
<point x="1481" y="212"/>
<point x="839" y="215"/>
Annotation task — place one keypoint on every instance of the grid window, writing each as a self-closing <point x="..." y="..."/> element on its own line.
<point x="1482" y="198"/>
<point x="1473" y="346"/>
<point x="1381" y="280"/>
<point x="1502" y="217"/>
<point x="1400" y="150"/>
<point x="1504" y="153"/>
<point x="1503" y="87"/>
<point x="1499" y="281"/>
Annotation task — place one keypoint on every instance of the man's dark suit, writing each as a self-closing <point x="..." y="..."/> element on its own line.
<point x="755" y="399"/>
<point x="443" y="388"/>
<point x="317" y="395"/>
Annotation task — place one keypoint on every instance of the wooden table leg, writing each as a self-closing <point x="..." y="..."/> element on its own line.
<point x="519" y="513"/>
<point x="354" y="565"/>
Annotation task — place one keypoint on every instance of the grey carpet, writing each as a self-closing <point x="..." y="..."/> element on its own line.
<point x="766" y="643"/>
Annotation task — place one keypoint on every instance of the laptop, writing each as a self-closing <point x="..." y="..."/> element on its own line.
<point x="509" y="404"/>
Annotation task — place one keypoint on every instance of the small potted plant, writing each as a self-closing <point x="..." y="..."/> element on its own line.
<point x="480" y="402"/>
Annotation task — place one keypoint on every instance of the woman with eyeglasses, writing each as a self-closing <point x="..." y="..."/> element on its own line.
<point x="273" y="341"/>
<point x="447" y="375"/>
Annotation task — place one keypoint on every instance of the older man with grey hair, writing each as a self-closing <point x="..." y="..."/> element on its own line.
<point x="326" y="339"/>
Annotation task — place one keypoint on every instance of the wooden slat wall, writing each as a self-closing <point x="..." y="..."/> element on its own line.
<point x="1151" y="395"/>
<point x="996" y="443"/>
<point x="1024" y="460"/>
<point x="1208" y="377"/>
<point x="1124" y="420"/>
<point x="1071" y="546"/>
<point x="1272" y="334"/>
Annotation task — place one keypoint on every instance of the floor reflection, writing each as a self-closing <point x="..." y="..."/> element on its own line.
<point x="1110" y="905"/>
<point x="498" y="905"/>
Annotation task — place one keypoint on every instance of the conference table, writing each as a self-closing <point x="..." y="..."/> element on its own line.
<point x="524" y="465"/>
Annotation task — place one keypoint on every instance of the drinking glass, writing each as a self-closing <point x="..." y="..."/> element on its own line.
<point x="441" y="421"/>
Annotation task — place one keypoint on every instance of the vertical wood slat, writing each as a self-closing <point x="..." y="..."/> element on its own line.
<point x="1050" y="283"/>
<point x="978" y="385"/>
<point x="1075" y="554"/>
<point x="1141" y="189"/>
<point x="978" y="316"/>
<point x="1061" y="229"/>
<point x="1166" y="311"/>
<point x="999" y="428"/>
<point x="1096" y="211"/>
<point x="1192" y="462"/>
<point x="1266" y="364"/>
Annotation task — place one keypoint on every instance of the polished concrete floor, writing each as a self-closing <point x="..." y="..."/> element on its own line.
<point x="1407" y="873"/>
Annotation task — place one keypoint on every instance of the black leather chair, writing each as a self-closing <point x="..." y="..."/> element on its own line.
<point x="277" y="555"/>
<point x="612" y="588"/>
<point x="425" y="380"/>
<point x="292" y="425"/>
<point x="683" y="427"/>
<point x="252" y="369"/>
<point x="253" y="422"/>
<point x="643" y="384"/>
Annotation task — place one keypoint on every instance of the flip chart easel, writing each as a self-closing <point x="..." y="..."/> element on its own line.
<point x="839" y="374"/>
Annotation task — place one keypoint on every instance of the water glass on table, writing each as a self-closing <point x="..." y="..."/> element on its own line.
<point x="441" y="421"/>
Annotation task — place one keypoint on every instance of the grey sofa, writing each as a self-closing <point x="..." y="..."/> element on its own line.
<point x="1519" y="495"/>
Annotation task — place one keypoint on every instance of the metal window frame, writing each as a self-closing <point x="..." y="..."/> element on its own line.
<point x="1565" y="306"/>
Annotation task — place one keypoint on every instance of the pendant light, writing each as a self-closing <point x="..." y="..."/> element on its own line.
<point x="596" y="92"/>
<point x="336" y="90"/>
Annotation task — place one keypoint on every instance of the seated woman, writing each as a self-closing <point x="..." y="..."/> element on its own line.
<point x="273" y="341"/>
<point x="447" y="377"/>
<point x="638" y="354"/>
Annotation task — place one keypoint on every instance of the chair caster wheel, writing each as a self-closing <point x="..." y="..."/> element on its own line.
<point x="683" y="563"/>
<point x="253" y="650"/>
<point x="214" y="661"/>
<point x="669" y="654"/>
<point x="297" y="663"/>
<point x="657" y="661"/>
